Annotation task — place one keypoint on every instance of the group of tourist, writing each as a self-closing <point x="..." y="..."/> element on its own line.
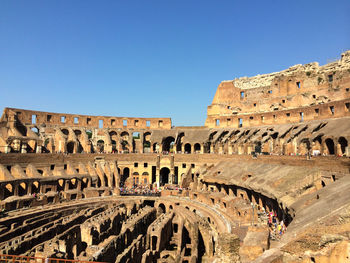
<point x="277" y="228"/>
<point x="139" y="190"/>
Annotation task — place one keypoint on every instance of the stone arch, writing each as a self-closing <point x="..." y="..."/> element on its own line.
<point x="197" y="148"/>
<point x="125" y="175"/>
<point x="343" y="145"/>
<point x="136" y="178"/>
<point x="70" y="147"/>
<point x="147" y="142"/>
<point x="100" y="145"/>
<point x="330" y="146"/>
<point x="168" y="144"/>
<point x="187" y="148"/>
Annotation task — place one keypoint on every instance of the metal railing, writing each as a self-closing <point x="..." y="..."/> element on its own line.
<point x="23" y="259"/>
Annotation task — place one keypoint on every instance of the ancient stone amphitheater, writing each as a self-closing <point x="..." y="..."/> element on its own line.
<point x="265" y="180"/>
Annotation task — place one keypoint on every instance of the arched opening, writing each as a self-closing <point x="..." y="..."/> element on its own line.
<point x="164" y="176"/>
<point x="114" y="139"/>
<point x="330" y="146"/>
<point x="162" y="207"/>
<point x="155" y="147"/>
<point x="65" y="131"/>
<point x="168" y="144"/>
<point x="304" y="147"/>
<point x="100" y="146"/>
<point x="70" y="147"/>
<point x="35" y="187"/>
<point x="145" y="177"/>
<point x="187" y="148"/>
<point x="179" y="141"/>
<point x="8" y="191"/>
<point x="147" y="142"/>
<point x="197" y="148"/>
<point x="60" y="185"/>
<point x="125" y="175"/>
<point x="136" y="178"/>
<point x="35" y="130"/>
<point x="114" y="146"/>
<point x="343" y="145"/>
<point x="22" y="189"/>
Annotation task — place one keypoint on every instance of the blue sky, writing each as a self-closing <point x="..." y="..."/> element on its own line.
<point x="156" y="58"/>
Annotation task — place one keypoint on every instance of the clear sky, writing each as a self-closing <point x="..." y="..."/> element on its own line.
<point x="155" y="58"/>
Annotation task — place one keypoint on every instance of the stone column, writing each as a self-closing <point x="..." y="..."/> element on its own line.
<point x="230" y="150"/>
<point x="221" y="149"/>
<point x="29" y="189"/>
<point x="38" y="148"/>
<point x="24" y="148"/>
<point x="211" y="148"/>
<point x="192" y="148"/>
<point x="7" y="149"/>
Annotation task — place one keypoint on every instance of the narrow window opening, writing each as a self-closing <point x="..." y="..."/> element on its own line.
<point x="301" y="116"/>
<point x="347" y="106"/>
<point x="317" y="111"/>
<point x="314" y="96"/>
<point x="63" y="119"/>
<point x="48" y="118"/>
<point x="217" y="122"/>
<point x="242" y="94"/>
<point x="160" y="123"/>
<point x="240" y="122"/>
<point x="76" y="120"/>
<point x="270" y="92"/>
<point x="136" y="165"/>
<point x="100" y="124"/>
<point x="148" y="123"/>
<point x="125" y="122"/>
<point x="331" y="108"/>
<point x="254" y="104"/>
<point x="145" y="165"/>
<point x="136" y="123"/>
<point x="88" y="120"/>
<point x="33" y="119"/>
<point x="112" y="122"/>
<point x="288" y="114"/>
<point x="298" y="84"/>
<point x="330" y="78"/>
<point x="183" y="165"/>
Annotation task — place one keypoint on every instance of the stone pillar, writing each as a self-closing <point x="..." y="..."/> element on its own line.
<point x="15" y="190"/>
<point x="211" y="148"/>
<point x="66" y="185"/>
<point x="7" y="149"/>
<point x="338" y="149"/>
<point x="157" y="177"/>
<point x="183" y="148"/>
<point x="221" y="149"/>
<point x="230" y="150"/>
<point x="29" y="189"/>
<point x="24" y="148"/>
<point x="192" y="148"/>
<point x="202" y="148"/>
<point x="38" y="148"/>
<point x="78" y="184"/>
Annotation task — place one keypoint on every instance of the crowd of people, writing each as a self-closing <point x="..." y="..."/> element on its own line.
<point x="140" y="190"/>
<point x="277" y="228"/>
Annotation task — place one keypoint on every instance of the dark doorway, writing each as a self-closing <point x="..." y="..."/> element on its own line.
<point x="164" y="176"/>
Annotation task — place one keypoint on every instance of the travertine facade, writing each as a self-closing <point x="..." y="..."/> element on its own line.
<point x="274" y="148"/>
